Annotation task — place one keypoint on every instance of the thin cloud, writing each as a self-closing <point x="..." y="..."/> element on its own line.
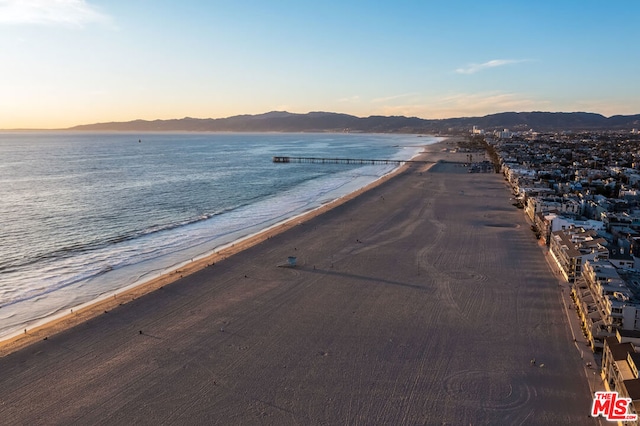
<point x="393" y="98"/>
<point x="69" y="13"/>
<point x="474" y="68"/>
<point x="473" y="104"/>
<point x="350" y="99"/>
<point x="466" y="105"/>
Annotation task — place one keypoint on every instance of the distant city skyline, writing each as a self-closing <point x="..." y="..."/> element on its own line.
<point x="72" y="62"/>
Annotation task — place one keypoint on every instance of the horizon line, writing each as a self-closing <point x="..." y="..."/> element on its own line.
<point x="307" y="113"/>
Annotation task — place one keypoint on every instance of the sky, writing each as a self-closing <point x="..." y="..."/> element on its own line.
<point x="70" y="62"/>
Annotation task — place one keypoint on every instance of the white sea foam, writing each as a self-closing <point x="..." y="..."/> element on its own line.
<point x="94" y="268"/>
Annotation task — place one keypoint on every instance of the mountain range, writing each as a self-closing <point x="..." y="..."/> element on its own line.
<point x="282" y="121"/>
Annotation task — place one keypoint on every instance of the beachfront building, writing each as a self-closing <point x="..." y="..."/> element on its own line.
<point x="571" y="247"/>
<point x="559" y="222"/>
<point x="620" y="364"/>
<point x="599" y="280"/>
<point x="535" y="205"/>
<point x="519" y="177"/>
<point x="542" y="226"/>
<point x="565" y="205"/>
<point x="605" y="301"/>
<point x="566" y="255"/>
<point x="546" y="223"/>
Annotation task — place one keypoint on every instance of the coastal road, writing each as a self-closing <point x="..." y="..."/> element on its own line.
<point x="421" y="301"/>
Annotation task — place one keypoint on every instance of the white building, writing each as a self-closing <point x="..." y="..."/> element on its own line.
<point x="605" y="302"/>
<point x="571" y="248"/>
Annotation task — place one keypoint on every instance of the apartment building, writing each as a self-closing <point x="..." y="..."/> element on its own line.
<point x="605" y="302"/>
<point x="572" y="247"/>
<point x="620" y="364"/>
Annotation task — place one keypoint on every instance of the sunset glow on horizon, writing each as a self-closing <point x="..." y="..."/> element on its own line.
<point x="71" y="62"/>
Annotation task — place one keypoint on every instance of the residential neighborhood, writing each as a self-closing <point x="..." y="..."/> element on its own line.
<point x="581" y="194"/>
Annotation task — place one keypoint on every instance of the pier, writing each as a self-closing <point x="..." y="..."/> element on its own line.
<point x="319" y="160"/>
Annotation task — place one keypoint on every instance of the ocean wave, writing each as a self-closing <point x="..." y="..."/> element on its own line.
<point x="101" y="250"/>
<point x="98" y="244"/>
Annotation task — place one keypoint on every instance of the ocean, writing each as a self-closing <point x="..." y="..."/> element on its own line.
<point x="83" y="215"/>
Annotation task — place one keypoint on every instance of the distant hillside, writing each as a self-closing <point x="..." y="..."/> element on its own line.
<point x="279" y="121"/>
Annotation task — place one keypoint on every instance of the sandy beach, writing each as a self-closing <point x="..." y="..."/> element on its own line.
<point x="420" y="301"/>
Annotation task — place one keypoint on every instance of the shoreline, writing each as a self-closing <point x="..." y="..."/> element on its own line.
<point x="57" y="323"/>
<point x="420" y="301"/>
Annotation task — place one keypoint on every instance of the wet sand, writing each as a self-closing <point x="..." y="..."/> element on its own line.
<point x="421" y="301"/>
